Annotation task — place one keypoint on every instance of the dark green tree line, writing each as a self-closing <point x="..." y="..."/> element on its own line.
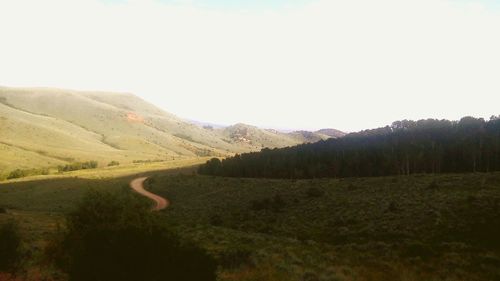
<point x="404" y="148"/>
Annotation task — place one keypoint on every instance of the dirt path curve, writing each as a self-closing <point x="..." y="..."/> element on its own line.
<point x="138" y="186"/>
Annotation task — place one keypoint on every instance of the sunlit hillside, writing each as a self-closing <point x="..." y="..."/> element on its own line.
<point x="42" y="127"/>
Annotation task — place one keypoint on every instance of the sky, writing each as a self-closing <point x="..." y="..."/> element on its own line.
<point x="303" y="64"/>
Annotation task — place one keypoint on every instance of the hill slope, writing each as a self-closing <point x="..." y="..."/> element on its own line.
<point x="41" y="127"/>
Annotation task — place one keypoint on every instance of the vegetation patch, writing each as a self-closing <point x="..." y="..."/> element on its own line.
<point x="10" y="246"/>
<point x="18" y="173"/>
<point x="386" y="228"/>
<point x="78" y="166"/>
<point x="117" y="237"/>
<point x="113" y="163"/>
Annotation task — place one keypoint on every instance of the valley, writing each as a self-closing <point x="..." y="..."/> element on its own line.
<point x="44" y="128"/>
<point x="421" y="227"/>
<point x="417" y="200"/>
<point x="283" y="140"/>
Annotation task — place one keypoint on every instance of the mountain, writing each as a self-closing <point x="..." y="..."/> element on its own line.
<point x="206" y="125"/>
<point x="307" y="136"/>
<point x="43" y="127"/>
<point x="332" y="133"/>
<point x="254" y="138"/>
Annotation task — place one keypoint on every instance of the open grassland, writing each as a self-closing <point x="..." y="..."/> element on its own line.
<point x="422" y="227"/>
<point x="114" y="171"/>
<point x="39" y="205"/>
<point x="60" y="192"/>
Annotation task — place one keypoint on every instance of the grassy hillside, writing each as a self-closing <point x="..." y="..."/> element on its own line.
<point x="332" y="133"/>
<point x="254" y="138"/>
<point x="421" y="227"/>
<point x="42" y="127"/>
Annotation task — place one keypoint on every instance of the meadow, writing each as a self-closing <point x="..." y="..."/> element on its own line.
<point x="39" y="204"/>
<point x="420" y="227"/>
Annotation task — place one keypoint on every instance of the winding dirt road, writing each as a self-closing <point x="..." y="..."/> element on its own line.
<point x="138" y="186"/>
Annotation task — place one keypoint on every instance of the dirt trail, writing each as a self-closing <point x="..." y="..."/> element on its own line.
<point x="138" y="185"/>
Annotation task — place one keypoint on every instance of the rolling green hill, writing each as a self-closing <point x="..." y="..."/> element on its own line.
<point x="44" y="127"/>
<point x="41" y="127"/>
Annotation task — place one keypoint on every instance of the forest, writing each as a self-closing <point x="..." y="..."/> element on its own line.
<point x="403" y="148"/>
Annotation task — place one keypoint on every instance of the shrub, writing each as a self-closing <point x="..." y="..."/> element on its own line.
<point x="418" y="249"/>
<point x="78" y="166"/>
<point x="433" y="185"/>
<point x="16" y="174"/>
<point x="148" y="161"/>
<point x="275" y="204"/>
<point x="257" y="205"/>
<point x="3" y="210"/>
<point x="113" y="163"/>
<point x="10" y="242"/>
<point x="278" y="203"/>
<point x="234" y="258"/>
<point x="310" y="276"/>
<point x="216" y="220"/>
<point x="314" y="192"/>
<point x="116" y="237"/>
<point x="393" y="207"/>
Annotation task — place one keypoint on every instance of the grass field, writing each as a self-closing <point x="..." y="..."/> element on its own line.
<point x="114" y="171"/>
<point x="38" y="204"/>
<point x="423" y="227"/>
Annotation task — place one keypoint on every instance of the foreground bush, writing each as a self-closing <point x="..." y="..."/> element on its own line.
<point x="10" y="242"/>
<point x="116" y="237"/>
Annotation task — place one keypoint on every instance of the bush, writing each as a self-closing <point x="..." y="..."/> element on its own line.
<point x="116" y="237"/>
<point x="433" y="185"/>
<point x="10" y="242"/>
<point x="235" y="258"/>
<point x="78" y="166"/>
<point x="216" y="220"/>
<point x="113" y="163"/>
<point x="418" y="249"/>
<point x="275" y="204"/>
<point x="393" y="207"/>
<point x="16" y="174"/>
<point x="310" y="276"/>
<point x="314" y="192"/>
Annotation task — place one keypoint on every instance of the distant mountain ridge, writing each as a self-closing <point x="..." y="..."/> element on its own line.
<point x="43" y="127"/>
<point x="333" y="133"/>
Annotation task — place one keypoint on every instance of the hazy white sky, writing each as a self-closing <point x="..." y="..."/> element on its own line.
<point x="291" y="64"/>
